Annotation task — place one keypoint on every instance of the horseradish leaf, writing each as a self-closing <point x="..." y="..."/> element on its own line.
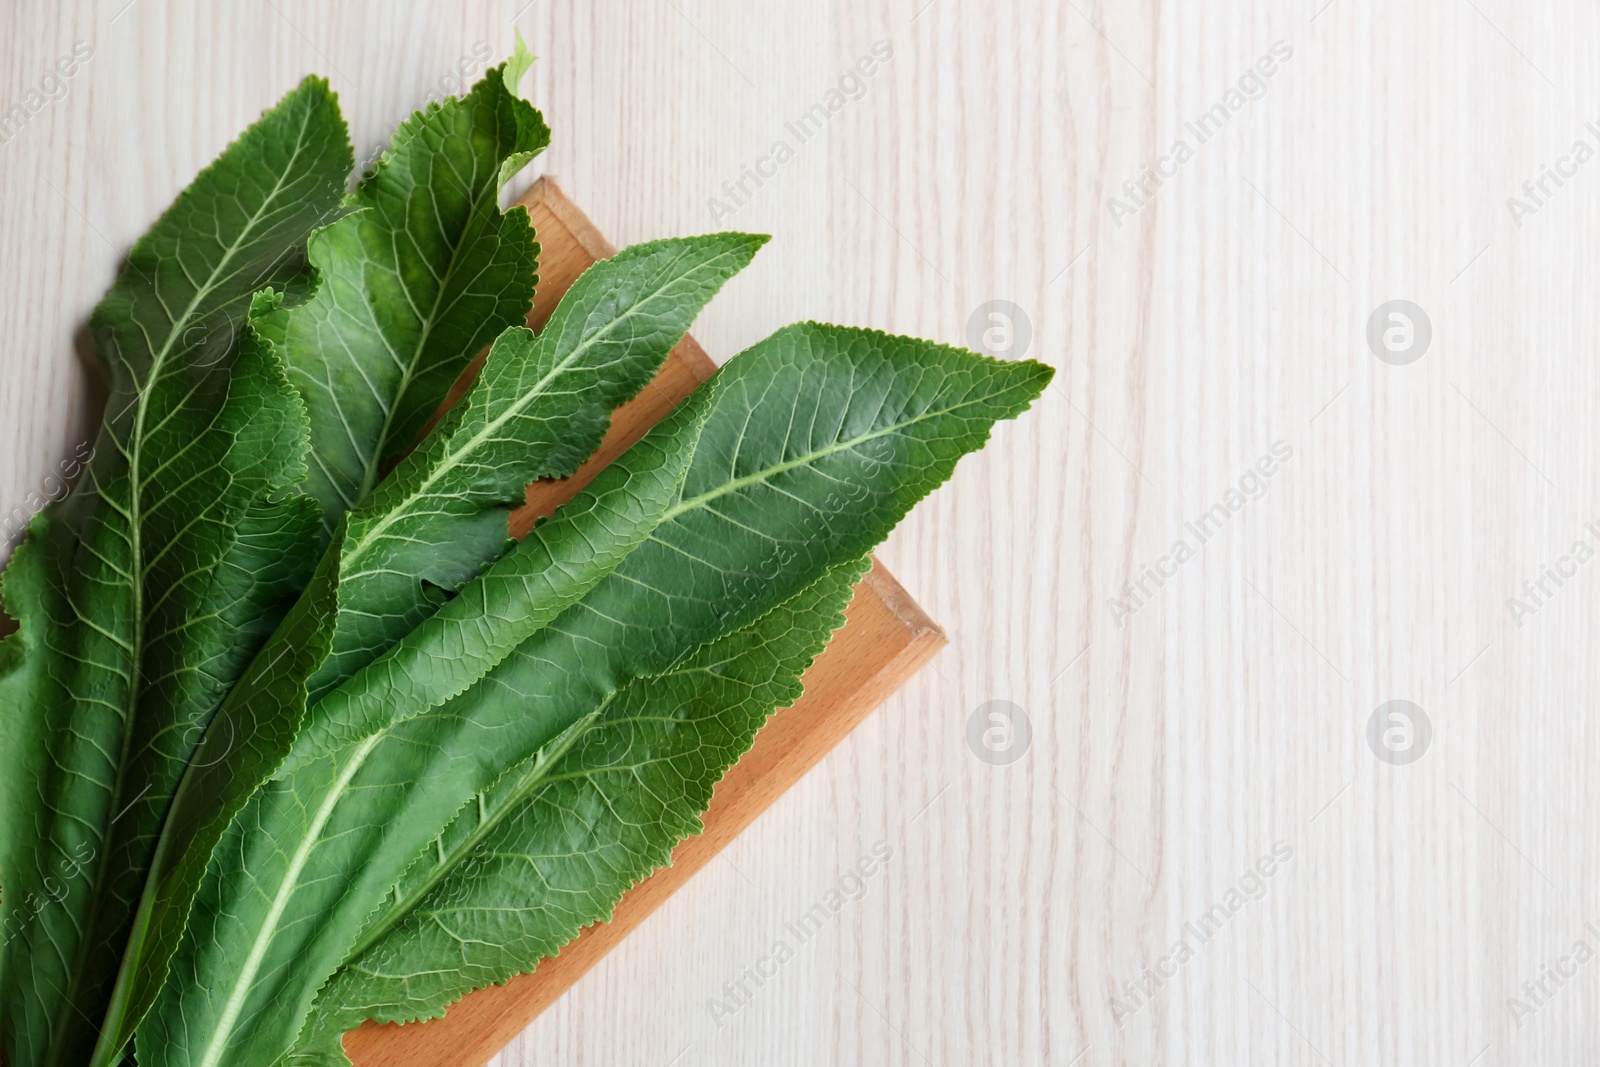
<point x="539" y="407"/>
<point x="419" y="274"/>
<point x="142" y="596"/>
<point x="814" y="444"/>
<point x="422" y="273"/>
<point x="553" y="845"/>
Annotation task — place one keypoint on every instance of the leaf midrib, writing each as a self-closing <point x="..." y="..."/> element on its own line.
<point x="755" y="478"/>
<point x="374" y="461"/>
<point x="245" y="977"/>
<point x="536" y="776"/>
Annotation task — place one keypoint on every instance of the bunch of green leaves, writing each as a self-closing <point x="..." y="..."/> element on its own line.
<point x="295" y="737"/>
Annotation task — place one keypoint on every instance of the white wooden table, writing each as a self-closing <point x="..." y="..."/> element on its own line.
<point x="1177" y="737"/>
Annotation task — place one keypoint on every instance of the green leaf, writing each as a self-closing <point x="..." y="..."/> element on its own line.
<point x="243" y="745"/>
<point x="412" y="284"/>
<point x="533" y="583"/>
<point x="554" y="844"/>
<point x="560" y="561"/>
<point x="539" y="408"/>
<point x="422" y="274"/>
<point x="519" y="64"/>
<point x="815" y="444"/>
<point x="142" y="596"/>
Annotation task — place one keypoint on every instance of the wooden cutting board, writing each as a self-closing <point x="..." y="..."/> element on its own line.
<point x="885" y="640"/>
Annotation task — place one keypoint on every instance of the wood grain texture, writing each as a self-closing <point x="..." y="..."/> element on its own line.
<point x="885" y="640"/>
<point x="1229" y="311"/>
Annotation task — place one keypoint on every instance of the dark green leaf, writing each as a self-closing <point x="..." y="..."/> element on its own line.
<point x="552" y="846"/>
<point x="815" y="444"/>
<point x="142" y="596"/>
<point x="420" y="276"/>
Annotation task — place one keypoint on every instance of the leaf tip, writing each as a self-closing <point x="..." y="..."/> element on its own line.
<point x="518" y="65"/>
